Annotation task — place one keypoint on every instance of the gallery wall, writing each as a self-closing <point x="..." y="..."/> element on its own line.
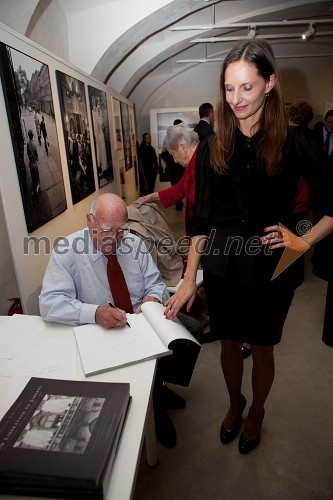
<point x="8" y="284"/>
<point x="90" y="149"/>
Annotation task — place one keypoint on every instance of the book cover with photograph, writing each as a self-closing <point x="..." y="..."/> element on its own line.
<point x="60" y="437"/>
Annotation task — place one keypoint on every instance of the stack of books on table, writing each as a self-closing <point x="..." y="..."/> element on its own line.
<point x="60" y="437"/>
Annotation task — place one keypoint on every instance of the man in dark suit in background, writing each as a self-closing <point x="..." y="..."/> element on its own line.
<point x="149" y="162"/>
<point x="323" y="132"/>
<point x="205" y="126"/>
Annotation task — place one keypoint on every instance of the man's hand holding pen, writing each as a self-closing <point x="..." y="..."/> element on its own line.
<point x="110" y="317"/>
<point x="114" y="307"/>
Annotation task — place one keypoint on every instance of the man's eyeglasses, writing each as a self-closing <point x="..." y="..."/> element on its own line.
<point x="123" y="231"/>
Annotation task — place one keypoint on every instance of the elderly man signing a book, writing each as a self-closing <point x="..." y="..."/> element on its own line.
<point x="104" y="265"/>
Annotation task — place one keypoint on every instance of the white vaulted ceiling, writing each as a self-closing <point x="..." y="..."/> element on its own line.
<point x="132" y="45"/>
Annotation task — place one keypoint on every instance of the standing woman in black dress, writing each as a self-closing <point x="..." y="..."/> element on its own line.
<point x="245" y="186"/>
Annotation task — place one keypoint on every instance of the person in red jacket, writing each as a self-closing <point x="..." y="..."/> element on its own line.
<point x="182" y="143"/>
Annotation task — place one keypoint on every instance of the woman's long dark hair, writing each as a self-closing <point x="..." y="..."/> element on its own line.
<point x="272" y="125"/>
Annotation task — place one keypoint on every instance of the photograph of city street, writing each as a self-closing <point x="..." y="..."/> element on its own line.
<point x="30" y="110"/>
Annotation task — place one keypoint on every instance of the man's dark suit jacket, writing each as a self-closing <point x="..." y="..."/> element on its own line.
<point x="318" y="133"/>
<point x="320" y="137"/>
<point x="203" y="129"/>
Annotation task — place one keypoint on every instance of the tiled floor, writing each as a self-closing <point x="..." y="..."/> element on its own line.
<point x="295" y="456"/>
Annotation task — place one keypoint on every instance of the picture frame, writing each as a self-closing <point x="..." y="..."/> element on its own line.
<point x="136" y="172"/>
<point x="132" y="125"/>
<point x="117" y="127"/>
<point x="30" y="110"/>
<point x="122" y="183"/>
<point x="101" y="134"/>
<point x="162" y="118"/>
<point x="77" y="138"/>
<point x="125" y="121"/>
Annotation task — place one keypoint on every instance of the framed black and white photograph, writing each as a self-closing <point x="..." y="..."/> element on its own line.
<point x="118" y="134"/>
<point x="126" y="135"/>
<point x="121" y="167"/>
<point x="132" y="125"/>
<point x="101" y="134"/>
<point x="30" y="110"/>
<point x="73" y="108"/>
<point x="136" y="173"/>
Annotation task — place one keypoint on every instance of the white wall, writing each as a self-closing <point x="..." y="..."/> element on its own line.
<point x="186" y="89"/>
<point x="309" y="79"/>
<point x="93" y="29"/>
<point x="8" y="284"/>
<point x="51" y="31"/>
<point x="17" y="14"/>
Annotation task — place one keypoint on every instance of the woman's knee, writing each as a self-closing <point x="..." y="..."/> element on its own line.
<point x="231" y="346"/>
<point x="262" y="353"/>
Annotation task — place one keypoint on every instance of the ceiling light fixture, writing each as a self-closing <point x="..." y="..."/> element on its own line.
<point x="276" y="36"/>
<point x="219" y="59"/>
<point x="310" y="32"/>
<point x="251" y="34"/>
<point x="249" y="25"/>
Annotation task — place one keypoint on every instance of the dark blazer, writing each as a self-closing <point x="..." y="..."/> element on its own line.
<point x="203" y="129"/>
<point x="237" y="206"/>
<point x="318" y="133"/>
<point x="319" y="136"/>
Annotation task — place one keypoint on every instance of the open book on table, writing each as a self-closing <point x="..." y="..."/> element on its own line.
<point x="150" y="336"/>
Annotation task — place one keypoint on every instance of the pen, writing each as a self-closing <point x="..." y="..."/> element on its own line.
<point x="114" y="307"/>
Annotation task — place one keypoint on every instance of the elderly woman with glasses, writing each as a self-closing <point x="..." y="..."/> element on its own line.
<point x="182" y="143"/>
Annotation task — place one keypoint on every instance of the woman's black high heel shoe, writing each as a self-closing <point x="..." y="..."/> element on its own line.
<point x="246" y="445"/>
<point x="228" y="435"/>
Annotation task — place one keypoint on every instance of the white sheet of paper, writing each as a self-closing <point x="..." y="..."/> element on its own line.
<point x="14" y="337"/>
<point x="168" y="330"/>
<point x="102" y="350"/>
<point x="45" y="357"/>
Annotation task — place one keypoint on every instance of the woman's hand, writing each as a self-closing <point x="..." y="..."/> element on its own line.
<point x="142" y="200"/>
<point x="280" y="236"/>
<point x="274" y="237"/>
<point x="148" y="198"/>
<point x="185" y="295"/>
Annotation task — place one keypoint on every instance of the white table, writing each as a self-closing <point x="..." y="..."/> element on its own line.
<point x="139" y="423"/>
